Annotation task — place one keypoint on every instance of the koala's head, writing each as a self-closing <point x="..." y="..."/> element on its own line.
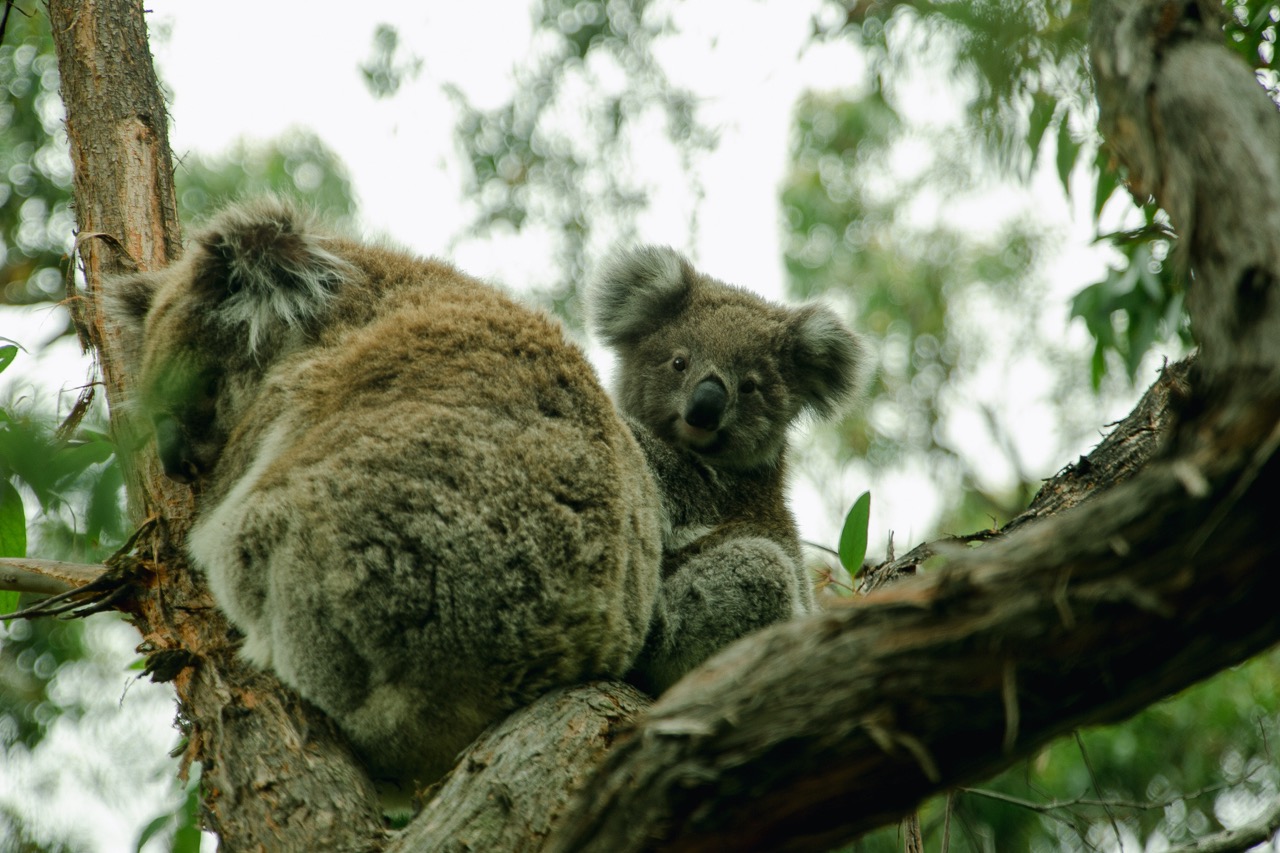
<point x="713" y="367"/>
<point x="198" y="336"/>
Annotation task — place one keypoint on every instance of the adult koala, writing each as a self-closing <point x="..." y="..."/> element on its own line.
<point x="413" y="497"/>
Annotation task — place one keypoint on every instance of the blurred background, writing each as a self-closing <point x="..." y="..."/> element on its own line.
<point x="930" y="169"/>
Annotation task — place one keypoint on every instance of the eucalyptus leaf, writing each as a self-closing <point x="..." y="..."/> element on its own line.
<point x="853" y="538"/>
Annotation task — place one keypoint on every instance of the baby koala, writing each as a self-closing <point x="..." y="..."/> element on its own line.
<point x="709" y="378"/>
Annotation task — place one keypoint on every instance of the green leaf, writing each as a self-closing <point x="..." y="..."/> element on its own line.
<point x="1068" y="149"/>
<point x="13" y="522"/>
<point x="149" y="831"/>
<point x="7" y="354"/>
<point x="1108" y="181"/>
<point x="853" y="538"/>
<point x="1042" y="109"/>
<point x="13" y="536"/>
<point x="187" y="837"/>
<point x="1097" y="366"/>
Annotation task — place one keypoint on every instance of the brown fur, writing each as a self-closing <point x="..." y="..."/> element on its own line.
<point x="710" y="378"/>
<point x="414" y="499"/>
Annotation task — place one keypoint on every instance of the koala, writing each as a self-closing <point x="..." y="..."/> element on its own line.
<point x="710" y="377"/>
<point x="413" y="497"/>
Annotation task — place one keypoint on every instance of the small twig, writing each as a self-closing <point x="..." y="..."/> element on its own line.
<point x="9" y="6"/>
<point x="46" y="577"/>
<point x="1106" y="807"/>
<point x="1143" y="805"/>
<point x="104" y="592"/>
<point x="1264" y="828"/>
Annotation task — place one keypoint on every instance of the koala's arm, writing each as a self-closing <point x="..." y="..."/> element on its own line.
<point x="716" y="595"/>
<point x="689" y="491"/>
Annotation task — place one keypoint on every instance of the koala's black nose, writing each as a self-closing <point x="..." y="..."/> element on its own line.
<point x="706" y="406"/>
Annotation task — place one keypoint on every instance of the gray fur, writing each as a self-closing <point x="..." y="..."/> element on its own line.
<point x="731" y="553"/>
<point x="413" y="497"/>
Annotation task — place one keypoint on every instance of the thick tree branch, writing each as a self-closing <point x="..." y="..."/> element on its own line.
<point x="516" y="780"/>
<point x="849" y="719"/>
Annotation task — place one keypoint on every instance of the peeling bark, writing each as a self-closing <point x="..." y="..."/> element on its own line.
<point x="513" y="784"/>
<point x="275" y="774"/>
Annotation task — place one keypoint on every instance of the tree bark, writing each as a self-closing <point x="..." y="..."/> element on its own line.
<point x="274" y="773"/>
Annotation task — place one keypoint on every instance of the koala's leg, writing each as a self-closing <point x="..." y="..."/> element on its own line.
<point x="715" y="597"/>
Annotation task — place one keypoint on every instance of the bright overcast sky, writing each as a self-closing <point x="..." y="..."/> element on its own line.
<point x="253" y="70"/>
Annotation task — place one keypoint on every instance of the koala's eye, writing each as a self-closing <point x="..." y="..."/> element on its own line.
<point x="679" y="363"/>
<point x="748" y="386"/>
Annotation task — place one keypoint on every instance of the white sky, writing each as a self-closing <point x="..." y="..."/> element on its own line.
<point x="255" y="69"/>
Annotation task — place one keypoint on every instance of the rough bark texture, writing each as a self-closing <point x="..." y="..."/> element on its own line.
<point x="844" y="722"/>
<point x="1133" y="442"/>
<point x="275" y="775"/>
<point x="517" y="779"/>
<point x="812" y="732"/>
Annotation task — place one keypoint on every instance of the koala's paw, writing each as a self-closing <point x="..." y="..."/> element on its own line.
<point x="715" y="598"/>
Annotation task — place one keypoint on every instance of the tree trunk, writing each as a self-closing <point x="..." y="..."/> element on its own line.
<point x="275" y="775"/>
<point x="809" y="733"/>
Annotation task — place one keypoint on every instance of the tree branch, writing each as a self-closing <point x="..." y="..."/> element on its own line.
<point x="516" y="780"/>
<point x="849" y="719"/>
<point x="275" y="774"/>
<point x="1246" y="837"/>
<point x="45" y="576"/>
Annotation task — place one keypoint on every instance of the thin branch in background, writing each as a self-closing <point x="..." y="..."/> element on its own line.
<point x="1093" y="779"/>
<point x="946" y="821"/>
<point x="9" y="6"/>
<point x="1144" y="805"/>
<point x="1256" y="832"/>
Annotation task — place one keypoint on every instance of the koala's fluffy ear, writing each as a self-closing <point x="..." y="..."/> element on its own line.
<point x="635" y="291"/>
<point x="262" y="267"/>
<point x="126" y="300"/>
<point x="828" y="361"/>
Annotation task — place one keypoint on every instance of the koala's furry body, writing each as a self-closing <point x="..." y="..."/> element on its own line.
<point x="710" y="378"/>
<point x="413" y="497"/>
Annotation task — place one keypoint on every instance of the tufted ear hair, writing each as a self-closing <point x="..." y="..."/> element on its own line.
<point x="635" y="291"/>
<point x="263" y="267"/>
<point x="127" y="299"/>
<point x="126" y="302"/>
<point x="827" y="360"/>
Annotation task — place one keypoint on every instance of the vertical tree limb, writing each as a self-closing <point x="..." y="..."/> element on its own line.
<point x="275" y="774"/>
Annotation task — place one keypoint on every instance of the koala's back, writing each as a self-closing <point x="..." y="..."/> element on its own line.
<point x="427" y="513"/>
